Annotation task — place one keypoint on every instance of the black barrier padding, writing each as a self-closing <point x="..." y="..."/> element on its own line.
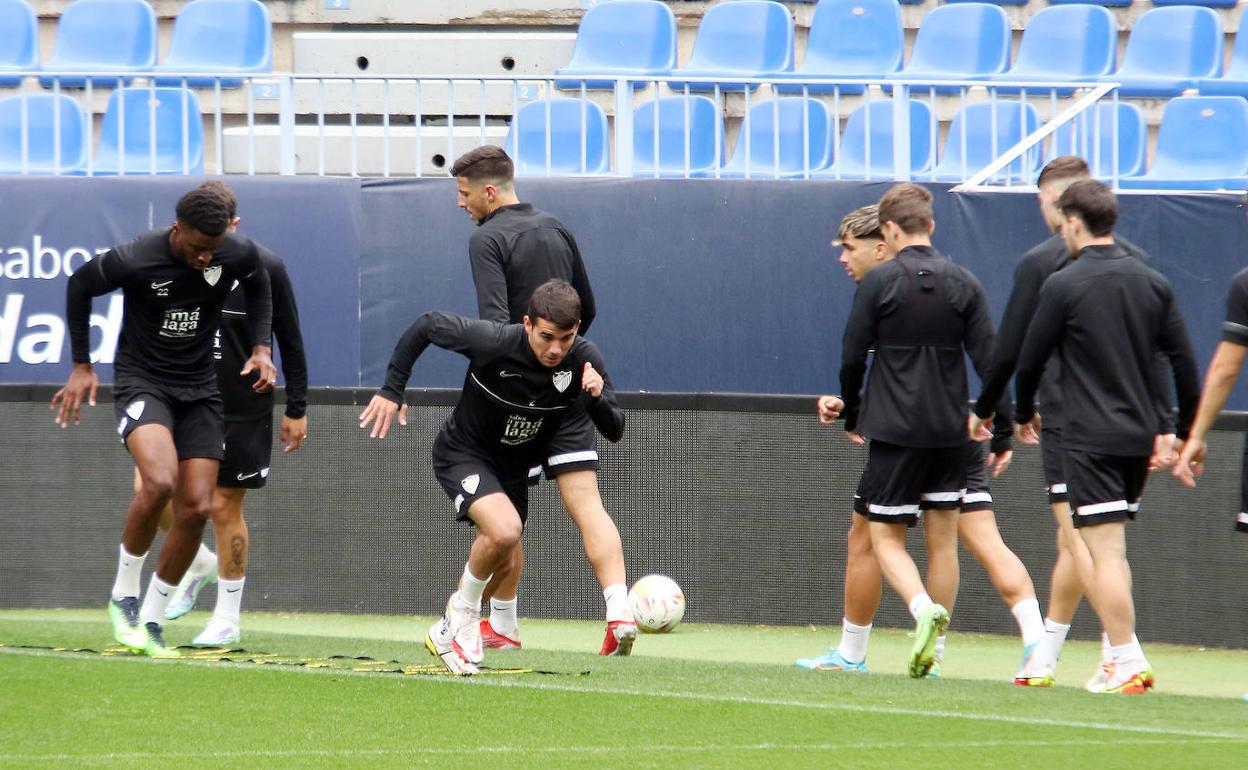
<point x="747" y="511"/>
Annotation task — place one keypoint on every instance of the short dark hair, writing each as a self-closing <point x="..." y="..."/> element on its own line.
<point x="487" y="163"/>
<point x="1061" y="168"/>
<point x="226" y="193"/>
<point x="557" y="302"/>
<point x="1092" y="202"/>
<point x="206" y="209"/>
<point x="908" y="206"/>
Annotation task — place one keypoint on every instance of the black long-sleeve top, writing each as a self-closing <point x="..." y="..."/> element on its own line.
<point x="919" y="312"/>
<point x="231" y="351"/>
<point x="516" y="249"/>
<point x="512" y="404"/>
<point x="171" y="309"/>
<point x="1107" y="315"/>
<point x="1235" y="327"/>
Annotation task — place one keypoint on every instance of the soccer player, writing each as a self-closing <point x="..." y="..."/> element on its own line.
<point x="919" y="311"/>
<point x="1107" y="315"/>
<point x="523" y="381"/>
<point x="248" y="445"/>
<point x="1072" y="572"/>
<point x="862" y="250"/>
<point x="175" y="281"/>
<point x="515" y="249"/>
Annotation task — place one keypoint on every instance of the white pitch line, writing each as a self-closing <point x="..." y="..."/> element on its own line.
<point x="486" y="681"/>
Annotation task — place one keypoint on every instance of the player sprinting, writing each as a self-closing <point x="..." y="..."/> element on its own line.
<point x="862" y="250"/>
<point x="1107" y="315"/>
<point x="523" y="381"/>
<point x="918" y="311"/>
<point x="515" y="249"/>
<point x="175" y="281"/>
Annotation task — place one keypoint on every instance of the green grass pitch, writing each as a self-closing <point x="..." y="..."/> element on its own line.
<point x="704" y="696"/>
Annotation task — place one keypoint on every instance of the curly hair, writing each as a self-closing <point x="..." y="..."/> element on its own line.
<point x="208" y="208"/>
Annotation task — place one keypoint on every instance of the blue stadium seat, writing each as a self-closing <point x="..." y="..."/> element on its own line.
<point x="1011" y="120"/>
<point x="1065" y="43"/>
<point x="1091" y="137"/>
<point x="966" y="41"/>
<point x="19" y="40"/>
<point x="219" y="36"/>
<point x="1169" y="51"/>
<point x="803" y="133"/>
<point x="866" y="149"/>
<point x="1206" y="3"/>
<point x="1106" y="3"/>
<point x="750" y="38"/>
<point x="672" y="118"/>
<point x="578" y="138"/>
<point x="103" y="36"/>
<point x="994" y="2"/>
<point x="41" y="129"/>
<point x="1235" y="81"/>
<point x="622" y="38"/>
<point x="177" y="142"/>
<point x="1202" y="144"/>
<point x="851" y="39"/>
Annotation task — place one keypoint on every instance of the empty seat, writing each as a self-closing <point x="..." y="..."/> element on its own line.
<point x="217" y="37"/>
<point x="622" y="38"/>
<point x="1091" y="136"/>
<point x="151" y="131"/>
<point x="994" y="2"/>
<point x="800" y="129"/>
<point x="1206" y="3"/>
<point x="866" y="149"/>
<point x="578" y="138"/>
<point x="54" y="128"/>
<point x="105" y="36"/>
<point x="675" y="135"/>
<point x="19" y="40"/>
<point x="750" y="38"/>
<point x="1170" y="50"/>
<point x="968" y="41"/>
<point x="1235" y="81"/>
<point x="1202" y="144"/>
<point x="982" y="132"/>
<point x="1106" y="3"/>
<point x="851" y="39"/>
<point x="1064" y="43"/>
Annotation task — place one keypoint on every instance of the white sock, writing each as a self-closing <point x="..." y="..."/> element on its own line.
<point x="1129" y="654"/>
<point x="1050" y="648"/>
<point x="471" y="588"/>
<point x="1030" y="623"/>
<point x="617" y="603"/>
<point x="155" y="601"/>
<point x="503" y="616"/>
<point x="205" y="562"/>
<point x="919" y="603"/>
<point x="1106" y="655"/>
<point x="129" y="570"/>
<point x="940" y="647"/>
<point x="229" y="598"/>
<point x="854" y="638"/>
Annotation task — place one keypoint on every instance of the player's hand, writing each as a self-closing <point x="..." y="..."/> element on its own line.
<point x="381" y="412"/>
<point x="1163" y="455"/>
<point x="261" y="361"/>
<point x="1000" y="461"/>
<point x="1191" y="463"/>
<point x="856" y="437"/>
<point x="294" y="431"/>
<point x="83" y="381"/>
<point x="829" y="408"/>
<point x="979" y="428"/>
<point x="591" y="381"/>
<point x="1029" y="432"/>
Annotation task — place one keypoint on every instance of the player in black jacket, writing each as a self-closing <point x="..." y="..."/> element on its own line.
<point x="919" y="312"/>
<point x="168" y="406"/>
<point x="523" y="381"/>
<point x="515" y="249"/>
<point x="1107" y="315"/>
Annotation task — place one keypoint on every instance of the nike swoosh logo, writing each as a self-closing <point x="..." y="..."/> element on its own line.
<point x="162" y="284"/>
<point x="232" y="590"/>
<point x="162" y="593"/>
<point x="244" y="477"/>
<point x="509" y="374"/>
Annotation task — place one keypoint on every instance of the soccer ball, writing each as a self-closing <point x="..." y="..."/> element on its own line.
<point x="658" y="604"/>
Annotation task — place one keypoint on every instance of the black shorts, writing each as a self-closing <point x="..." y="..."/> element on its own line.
<point x="1104" y="488"/>
<point x="197" y="425"/>
<point x="1054" y="464"/>
<point x="248" y="450"/>
<point x="975" y="497"/>
<point x="899" y="482"/>
<point x="1241" y="522"/>
<point x="466" y="476"/>
<point x="574" y="447"/>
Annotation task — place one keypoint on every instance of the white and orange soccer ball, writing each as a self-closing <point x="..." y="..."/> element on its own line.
<point x="658" y="604"/>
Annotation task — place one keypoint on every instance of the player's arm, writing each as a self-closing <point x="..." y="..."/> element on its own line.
<point x="1219" y="382"/>
<point x="1042" y="337"/>
<point x="289" y="337"/>
<point x="489" y="278"/>
<point x="258" y="303"/>
<point x="600" y="395"/>
<point x="856" y="345"/>
<point x="580" y="282"/>
<point x="99" y="276"/>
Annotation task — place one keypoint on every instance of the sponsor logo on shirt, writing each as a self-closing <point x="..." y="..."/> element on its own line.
<point x="161" y="288"/>
<point x="180" y="323"/>
<point x="520" y="429"/>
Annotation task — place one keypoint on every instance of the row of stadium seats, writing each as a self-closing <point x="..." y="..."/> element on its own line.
<point x="1107" y="3"/>
<point x="1202" y="143"/>
<point x="119" y="36"/>
<point x="1169" y="50"/>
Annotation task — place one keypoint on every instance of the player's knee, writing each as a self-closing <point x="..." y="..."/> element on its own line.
<point x="506" y="534"/>
<point x="198" y="511"/>
<point x="859" y="541"/>
<point x="158" y="487"/>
